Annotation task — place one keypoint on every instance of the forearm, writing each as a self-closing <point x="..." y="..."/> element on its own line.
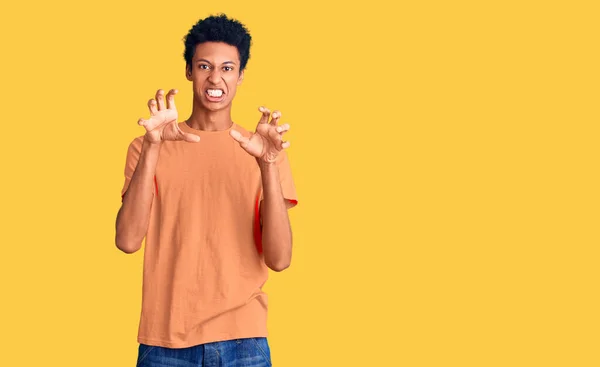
<point x="134" y="216"/>
<point x="276" y="230"/>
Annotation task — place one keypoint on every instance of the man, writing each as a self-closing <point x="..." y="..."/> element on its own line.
<point x="211" y="200"/>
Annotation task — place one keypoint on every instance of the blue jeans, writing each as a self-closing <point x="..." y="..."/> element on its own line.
<point x="250" y="352"/>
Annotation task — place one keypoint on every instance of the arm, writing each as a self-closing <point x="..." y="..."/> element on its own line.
<point x="267" y="146"/>
<point x="276" y="230"/>
<point x="134" y="215"/>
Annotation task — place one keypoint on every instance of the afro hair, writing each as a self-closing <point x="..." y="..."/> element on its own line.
<point x="218" y="28"/>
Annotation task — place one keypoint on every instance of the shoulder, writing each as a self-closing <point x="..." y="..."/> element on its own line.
<point x="135" y="145"/>
<point x="137" y="142"/>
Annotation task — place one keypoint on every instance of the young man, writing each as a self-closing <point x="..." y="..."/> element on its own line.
<point x="211" y="200"/>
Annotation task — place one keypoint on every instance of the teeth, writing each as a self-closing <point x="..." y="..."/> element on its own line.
<point x="215" y="92"/>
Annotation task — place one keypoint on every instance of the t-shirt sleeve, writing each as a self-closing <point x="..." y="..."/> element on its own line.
<point x="133" y="156"/>
<point x="287" y="181"/>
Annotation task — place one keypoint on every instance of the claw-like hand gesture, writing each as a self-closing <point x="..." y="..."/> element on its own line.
<point x="162" y="124"/>
<point x="267" y="141"/>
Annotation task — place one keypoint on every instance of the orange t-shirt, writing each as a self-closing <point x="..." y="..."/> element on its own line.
<point x="203" y="263"/>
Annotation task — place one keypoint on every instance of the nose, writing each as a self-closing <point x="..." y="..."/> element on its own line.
<point x="215" y="76"/>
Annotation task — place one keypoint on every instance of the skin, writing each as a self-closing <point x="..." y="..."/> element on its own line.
<point x="215" y="65"/>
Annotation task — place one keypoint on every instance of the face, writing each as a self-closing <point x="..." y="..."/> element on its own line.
<point x="215" y="74"/>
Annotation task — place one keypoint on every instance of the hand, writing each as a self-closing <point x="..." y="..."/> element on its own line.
<point x="267" y="141"/>
<point x="162" y="124"/>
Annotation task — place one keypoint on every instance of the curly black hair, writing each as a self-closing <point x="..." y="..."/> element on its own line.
<point x="218" y="28"/>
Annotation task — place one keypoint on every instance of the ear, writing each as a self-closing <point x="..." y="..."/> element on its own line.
<point x="240" y="78"/>
<point x="188" y="72"/>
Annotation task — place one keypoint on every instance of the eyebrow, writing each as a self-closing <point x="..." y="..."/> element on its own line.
<point x="226" y="62"/>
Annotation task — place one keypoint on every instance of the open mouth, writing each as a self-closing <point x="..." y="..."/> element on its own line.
<point x="215" y="95"/>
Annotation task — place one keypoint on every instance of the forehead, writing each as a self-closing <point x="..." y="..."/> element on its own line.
<point x="216" y="52"/>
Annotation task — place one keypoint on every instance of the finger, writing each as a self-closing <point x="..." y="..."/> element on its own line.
<point x="237" y="136"/>
<point x="171" y="99"/>
<point x="190" y="138"/>
<point x="142" y="122"/>
<point x="265" y="115"/>
<point x="160" y="98"/>
<point x="152" y="106"/>
<point x="275" y="136"/>
<point x="275" y="118"/>
<point x="283" y="128"/>
<point x="285" y="144"/>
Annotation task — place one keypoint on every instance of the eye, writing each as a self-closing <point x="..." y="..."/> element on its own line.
<point x="228" y="68"/>
<point x="204" y="66"/>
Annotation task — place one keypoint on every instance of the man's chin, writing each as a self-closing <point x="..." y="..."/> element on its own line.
<point x="214" y="107"/>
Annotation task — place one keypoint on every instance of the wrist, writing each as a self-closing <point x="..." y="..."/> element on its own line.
<point x="151" y="143"/>
<point x="264" y="165"/>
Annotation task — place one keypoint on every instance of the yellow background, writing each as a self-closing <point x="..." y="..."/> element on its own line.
<point x="445" y="156"/>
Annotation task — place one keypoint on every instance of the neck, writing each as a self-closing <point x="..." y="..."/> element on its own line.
<point x="207" y="120"/>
